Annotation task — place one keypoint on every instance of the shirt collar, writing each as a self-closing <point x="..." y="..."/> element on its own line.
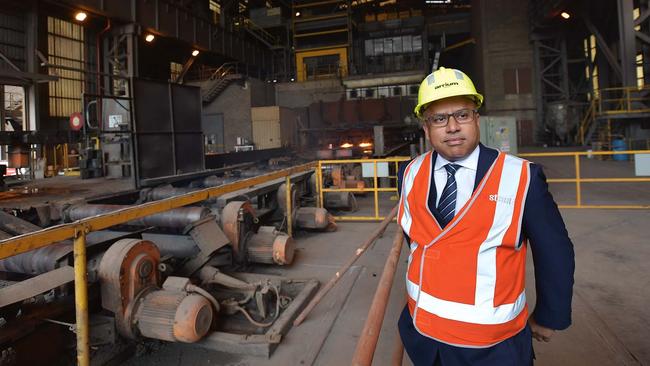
<point x="470" y="162"/>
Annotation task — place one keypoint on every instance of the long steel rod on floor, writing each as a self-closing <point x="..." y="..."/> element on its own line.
<point x="371" y="329"/>
<point x="362" y="249"/>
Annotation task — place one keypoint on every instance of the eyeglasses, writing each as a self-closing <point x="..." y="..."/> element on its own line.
<point x="442" y="119"/>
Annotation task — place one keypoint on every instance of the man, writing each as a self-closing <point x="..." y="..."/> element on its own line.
<point x="468" y="212"/>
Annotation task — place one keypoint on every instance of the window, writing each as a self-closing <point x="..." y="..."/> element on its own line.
<point x="215" y="8"/>
<point x="65" y="47"/>
<point x="592" y="74"/>
<point x="640" y="82"/>
<point x="175" y="70"/>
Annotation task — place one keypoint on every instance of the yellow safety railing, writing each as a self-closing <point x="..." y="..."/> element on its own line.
<point x="578" y="180"/>
<point x="612" y="102"/>
<point x="79" y="229"/>
<point x="375" y="188"/>
<point x="623" y="100"/>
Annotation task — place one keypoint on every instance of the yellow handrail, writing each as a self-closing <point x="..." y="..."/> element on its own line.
<point x="375" y="189"/>
<point x="578" y="180"/>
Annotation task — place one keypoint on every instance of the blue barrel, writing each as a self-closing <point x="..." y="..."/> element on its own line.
<point x="619" y="145"/>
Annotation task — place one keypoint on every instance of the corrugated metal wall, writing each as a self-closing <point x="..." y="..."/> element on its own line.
<point x="65" y="45"/>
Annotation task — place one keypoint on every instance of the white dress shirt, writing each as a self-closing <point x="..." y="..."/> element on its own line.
<point x="465" y="177"/>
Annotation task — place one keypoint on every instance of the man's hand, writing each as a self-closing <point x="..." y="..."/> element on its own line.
<point x="540" y="333"/>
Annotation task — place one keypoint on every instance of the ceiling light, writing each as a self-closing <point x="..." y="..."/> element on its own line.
<point x="565" y="15"/>
<point x="292" y="79"/>
<point x="297" y="13"/>
<point x="81" y="16"/>
<point x="195" y="53"/>
<point x="149" y="38"/>
<point x="365" y="144"/>
<point x="346" y="145"/>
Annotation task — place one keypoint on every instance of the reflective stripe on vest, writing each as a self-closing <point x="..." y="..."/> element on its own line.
<point x="466" y="282"/>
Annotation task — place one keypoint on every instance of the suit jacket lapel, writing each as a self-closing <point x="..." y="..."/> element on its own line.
<point x="486" y="157"/>
<point x="433" y="193"/>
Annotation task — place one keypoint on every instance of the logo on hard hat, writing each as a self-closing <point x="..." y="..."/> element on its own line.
<point x="445" y="85"/>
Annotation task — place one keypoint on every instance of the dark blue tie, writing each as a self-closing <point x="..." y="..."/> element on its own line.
<point x="447" y="203"/>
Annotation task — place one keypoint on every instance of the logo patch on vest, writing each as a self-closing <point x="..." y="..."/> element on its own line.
<point x="504" y="200"/>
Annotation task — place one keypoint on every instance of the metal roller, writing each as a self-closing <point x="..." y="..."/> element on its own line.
<point x="163" y="192"/>
<point x="211" y="181"/>
<point x="282" y="198"/>
<point x="34" y="262"/>
<point x="174" y="218"/>
<point x="37" y="261"/>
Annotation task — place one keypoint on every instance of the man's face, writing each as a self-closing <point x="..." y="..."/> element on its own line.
<point x="454" y="141"/>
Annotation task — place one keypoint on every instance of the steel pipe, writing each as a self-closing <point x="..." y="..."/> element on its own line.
<point x="174" y="218"/>
<point x="37" y="261"/>
<point x="162" y="192"/>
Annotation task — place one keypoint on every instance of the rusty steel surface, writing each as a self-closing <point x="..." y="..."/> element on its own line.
<point x="193" y="319"/>
<point x="367" y="344"/>
<point x="231" y="220"/>
<point x="270" y="246"/>
<point x="128" y="268"/>
<point x="173" y="316"/>
<point x="283" y="249"/>
<point x="362" y="249"/>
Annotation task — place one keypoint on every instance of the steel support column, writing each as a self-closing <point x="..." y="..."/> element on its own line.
<point x="551" y="73"/>
<point x="627" y="41"/>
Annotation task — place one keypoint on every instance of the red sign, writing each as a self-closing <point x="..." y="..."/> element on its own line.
<point x="76" y="121"/>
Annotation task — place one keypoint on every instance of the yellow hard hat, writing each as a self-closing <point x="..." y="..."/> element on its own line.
<point x="445" y="83"/>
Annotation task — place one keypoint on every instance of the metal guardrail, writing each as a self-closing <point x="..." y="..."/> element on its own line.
<point x="614" y="102"/>
<point x="79" y="229"/>
<point x="578" y="180"/>
<point x="375" y="188"/>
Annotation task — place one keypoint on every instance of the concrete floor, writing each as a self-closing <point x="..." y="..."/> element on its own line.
<point x="611" y="325"/>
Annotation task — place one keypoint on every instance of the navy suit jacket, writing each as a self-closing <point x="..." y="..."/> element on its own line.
<point x="553" y="259"/>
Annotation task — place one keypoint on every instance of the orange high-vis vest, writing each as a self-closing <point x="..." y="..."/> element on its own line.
<point x="466" y="282"/>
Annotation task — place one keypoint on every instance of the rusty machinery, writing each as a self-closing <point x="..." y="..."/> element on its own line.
<point x="169" y="276"/>
<point x="130" y="288"/>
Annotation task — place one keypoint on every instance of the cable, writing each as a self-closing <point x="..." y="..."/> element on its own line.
<point x="250" y="319"/>
<point x="207" y="295"/>
<point x="277" y="311"/>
